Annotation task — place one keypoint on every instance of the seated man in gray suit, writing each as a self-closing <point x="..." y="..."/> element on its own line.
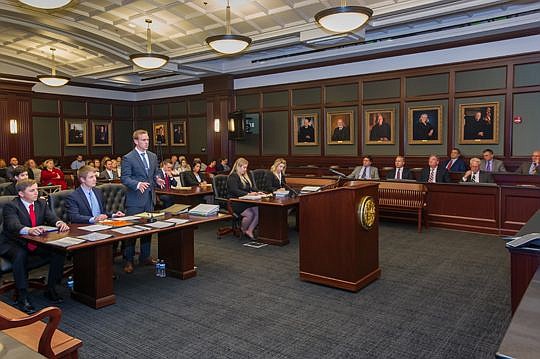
<point x="490" y="164"/>
<point x="475" y="175"/>
<point x="531" y="168"/>
<point x="366" y="171"/>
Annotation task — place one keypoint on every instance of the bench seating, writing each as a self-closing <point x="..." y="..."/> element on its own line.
<point x="43" y="338"/>
<point x="403" y="197"/>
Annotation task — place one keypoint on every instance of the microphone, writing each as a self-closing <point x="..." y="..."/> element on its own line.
<point x="337" y="172"/>
<point x="295" y="192"/>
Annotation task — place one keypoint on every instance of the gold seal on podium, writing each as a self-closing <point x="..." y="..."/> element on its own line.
<point x="367" y="211"/>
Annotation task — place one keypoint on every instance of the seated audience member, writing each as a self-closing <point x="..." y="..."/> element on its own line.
<point x="240" y="184"/>
<point x="490" y="164"/>
<point x="366" y="171"/>
<point x="33" y="168"/>
<point x="455" y="163"/>
<point x="275" y="179"/>
<point x="434" y="173"/>
<point x="108" y="174"/>
<point x="532" y="167"/>
<point x="166" y="173"/>
<point x="20" y="173"/>
<point x="475" y="175"/>
<point x="223" y="165"/>
<point x="211" y="169"/>
<point x="97" y="164"/>
<point x="85" y="204"/>
<point x="400" y="172"/>
<point x="184" y="166"/>
<point x="174" y="161"/>
<point x="13" y="163"/>
<point x="3" y="168"/>
<point x="203" y="165"/>
<point x="77" y="163"/>
<point x="52" y="176"/>
<point x="194" y="177"/>
<point x="26" y="215"/>
<point x="116" y="168"/>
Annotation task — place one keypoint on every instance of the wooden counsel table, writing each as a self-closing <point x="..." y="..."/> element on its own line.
<point x="92" y="261"/>
<point x="273" y="214"/>
<point x="192" y="196"/>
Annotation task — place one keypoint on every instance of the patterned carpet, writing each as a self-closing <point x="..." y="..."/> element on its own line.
<point x="442" y="294"/>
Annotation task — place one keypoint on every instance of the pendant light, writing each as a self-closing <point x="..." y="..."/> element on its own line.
<point x="149" y="60"/>
<point x="228" y="43"/>
<point x="46" y="4"/>
<point x="343" y="18"/>
<point x="53" y="79"/>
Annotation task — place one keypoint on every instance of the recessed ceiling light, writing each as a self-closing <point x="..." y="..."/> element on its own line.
<point x="46" y="4"/>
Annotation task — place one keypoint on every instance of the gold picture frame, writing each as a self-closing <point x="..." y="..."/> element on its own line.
<point x="337" y="134"/>
<point x="382" y="133"/>
<point x="479" y="123"/>
<point x="178" y="133"/>
<point x="76" y="132"/>
<point x="306" y="129"/>
<point x="424" y="125"/>
<point x="160" y="134"/>
<point x="101" y="133"/>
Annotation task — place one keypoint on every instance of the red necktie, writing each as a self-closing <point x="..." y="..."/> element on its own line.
<point x="167" y="183"/>
<point x="32" y="247"/>
<point x="449" y="165"/>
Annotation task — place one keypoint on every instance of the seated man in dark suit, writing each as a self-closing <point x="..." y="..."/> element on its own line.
<point x="474" y="175"/>
<point x="20" y="173"/>
<point x="455" y="163"/>
<point x="85" y="204"/>
<point x="532" y="167"/>
<point x="165" y="172"/>
<point x="400" y="172"/>
<point x="13" y="163"/>
<point x="26" y="215"/>
<point x="108" y="174"/>
<point x="434" y="173"/>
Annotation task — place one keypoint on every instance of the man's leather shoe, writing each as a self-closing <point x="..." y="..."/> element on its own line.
<point x="149" y="262"/>
<point x="52" y="296"/>
<point x="128" y="267"/>
<point x="24" y="305"/>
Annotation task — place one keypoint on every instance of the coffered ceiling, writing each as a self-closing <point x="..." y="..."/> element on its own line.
<point x="95" y="38"/>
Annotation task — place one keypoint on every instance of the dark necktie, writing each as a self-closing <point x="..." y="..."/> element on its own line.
<point x="33" y="220"/>
<point x="449" y="165"/>
<point x="488" y="166"/>
<point x="145" y="161"/>
<point x="363" y="175"/>
<point x="167" y="182"/>
<point x="431" y="175"/>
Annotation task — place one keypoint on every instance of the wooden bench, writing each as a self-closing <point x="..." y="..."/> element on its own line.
<point x="43" y="338"/>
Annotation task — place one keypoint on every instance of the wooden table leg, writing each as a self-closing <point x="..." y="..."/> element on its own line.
<point x="273" y="225"/>
<point x="92" y="273"/>
<point x="177" y="250"/>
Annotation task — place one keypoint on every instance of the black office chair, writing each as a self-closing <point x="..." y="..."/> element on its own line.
<point x="114" y="196"/>
<point x="3" y="187"/>
<point x="184" y="178"/>
<point x="259" y="176"/>
<point x="221" y="197"/>
<point x="57" y="203"/>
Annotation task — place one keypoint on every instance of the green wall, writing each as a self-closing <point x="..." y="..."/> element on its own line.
<point x="46" y="136"/>
<point x="275" y="133"/>
<point x="197" y="135"/>
<point x="525" y="136"/>
<point x="483" y="79"/>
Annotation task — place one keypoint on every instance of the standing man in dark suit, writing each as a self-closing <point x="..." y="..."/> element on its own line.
<point x="531" y="168"/>
<point x="140" y="175"/>
<point x="455" y="163"/>
<point x="434" y="173"/>
<point x="85" y="204"/>
<point x="26" y="215"/>
<point x="475" y="175"/>
<point x="400" y="172"/>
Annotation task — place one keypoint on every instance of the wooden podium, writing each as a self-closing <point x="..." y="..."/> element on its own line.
<point x="337" y="247"/>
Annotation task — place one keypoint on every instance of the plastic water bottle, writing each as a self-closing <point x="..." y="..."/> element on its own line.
<point x="70" y="283"/>
<point x="158" y="268"/>
<point x="163" y="269"/>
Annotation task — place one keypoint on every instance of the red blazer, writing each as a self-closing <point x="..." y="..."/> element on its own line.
<point x="54" y="178"/>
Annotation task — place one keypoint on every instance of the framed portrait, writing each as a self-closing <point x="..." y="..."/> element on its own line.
<point x="160" y="133"/>
<point x="178" y="133"/>
<point x="101" y="133"/>
<point x="479" y="123"/>
<point x="339" y="128"/>
<point x="76" y="132"/>
<point x="306" y="129"/>
<point x="425" y="125"/>
<point x="380" y="127"/>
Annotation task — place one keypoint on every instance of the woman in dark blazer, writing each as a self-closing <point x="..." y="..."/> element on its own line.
<point x="194" y="177"/>
<point x="240" y="184"/>
<point x="275" y="179"/>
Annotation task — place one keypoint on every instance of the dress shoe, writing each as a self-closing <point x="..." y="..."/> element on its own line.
<point x="149" y="262"/>
<point x="24" y="305"/>
<point x="52" y="296"/>
<point x="128" y="268"/>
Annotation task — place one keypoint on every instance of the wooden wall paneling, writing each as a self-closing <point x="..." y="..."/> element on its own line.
<point x="509" y="110"/>
<point x="518" y="204"/>
<point x="25" y="148"/>
<point x="4" y="130"/>
<point x="451" y="110"/>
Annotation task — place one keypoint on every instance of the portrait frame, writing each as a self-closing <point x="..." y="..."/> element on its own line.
<point x="467" y="113"/>
<point x="100" y="138"/>
<point x="76" y="132"/>
<point x="331" y="124"/>
<point x="434" y="113"/>
<point x="160" y="133"/>
<point x="388" y="115"/>
<point x="178" y="133"/>
<point x="298" y="125"/>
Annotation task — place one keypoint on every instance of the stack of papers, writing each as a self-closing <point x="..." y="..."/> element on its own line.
<point x="95" y="227"/>
<point x="251" y="197"/>
<point x="520" y="241"/>
<point x="159" y="224"/>
<point x="128" y="230"/>
<point x="281" y="193"/>
<point x="150" y="214"/>
<point x="177" y="220"/>
<point x="92" y="237"/>
<point x="126" y="218"/>
<point x="205" y="210"/>
<point x="310" y="189"/>
<point x="66" y="242"/>
<point x="177" y="208"/>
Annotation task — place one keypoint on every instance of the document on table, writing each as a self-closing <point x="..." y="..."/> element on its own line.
<point x="126" y="218"/>
<point x="159" y="224"/>
<point x="49" y="228"/>
<point x="92" y="237"/>
<point x="177" y="220"/>
<point x="519" y="241"/>
<point x="127" y="230"/>
<point x="66" y="242"/>
<point x="95" y="227"/>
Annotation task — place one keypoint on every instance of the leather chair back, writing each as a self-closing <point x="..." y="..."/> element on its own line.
<point x="5" y="265"/>
<point x="258" y="176"/>
<point x="183" y="178"/>
<point x="57" y="203"/>
<point x="114" y="196"/>
<point x="3" y="187"/>
<point x="221" y="192"/>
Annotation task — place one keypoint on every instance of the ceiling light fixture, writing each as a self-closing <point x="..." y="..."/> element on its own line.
<point x="228" y="43"/>
<point x="53" y="79"/>
<point x="149" y="60"/>
<point x="343" y="18"/>
<point x="46" y="4"/>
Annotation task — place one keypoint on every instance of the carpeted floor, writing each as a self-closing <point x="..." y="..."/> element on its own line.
<point x="442" y="294"/>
